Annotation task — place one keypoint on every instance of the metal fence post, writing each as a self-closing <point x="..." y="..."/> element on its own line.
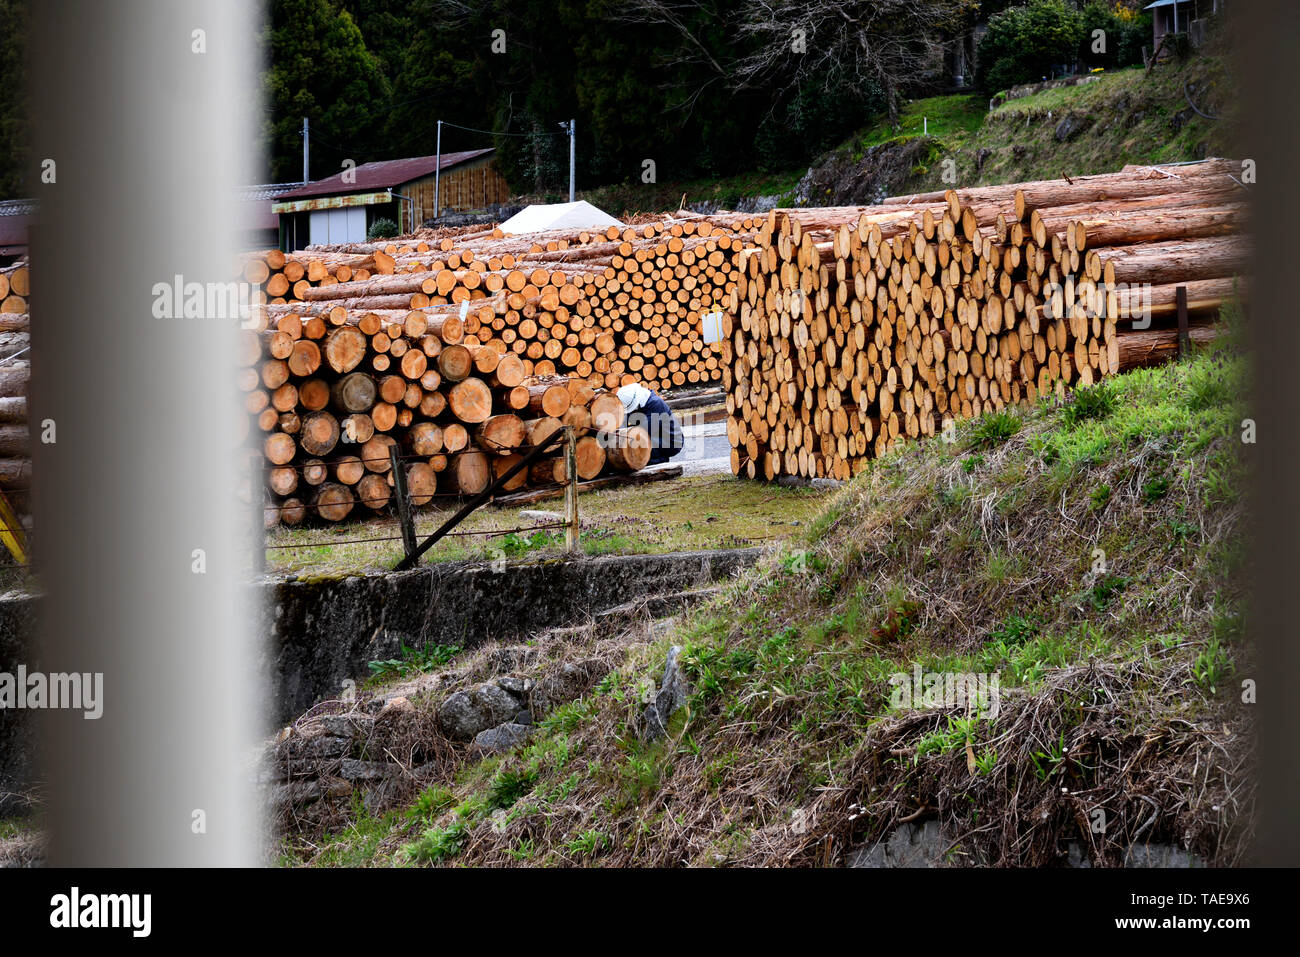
<point x="1184" y="337"/>
<point x="571" y="489"/>
<point x="403" y="502"/>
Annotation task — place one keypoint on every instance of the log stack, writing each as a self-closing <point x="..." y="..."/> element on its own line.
<point x="610" y="307"/>
<point x="15" y="371"/>
<point x="328" y="398"/>
<point x="851" y="329"/>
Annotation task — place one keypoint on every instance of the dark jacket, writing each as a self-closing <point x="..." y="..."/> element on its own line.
<point x="666" y="438"/>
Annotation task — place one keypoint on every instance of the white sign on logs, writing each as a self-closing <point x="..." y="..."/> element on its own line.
<point x="712" y="328"/>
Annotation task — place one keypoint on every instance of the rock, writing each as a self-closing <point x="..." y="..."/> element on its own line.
<point x="1160" y="855"/>
<point x="465" y="713"/>
<point x="354" y="770"/>
<point x="345" y="725"/>
<point x="512" y="657"/>
<point x="673" y="691"/>
<point x="524" y="717"/>
<point x="315" y="746"/>
<point x="532" y="515"/>
<point x="908" y="845"/>
<point x="515" y="685"/>
<point x="503" y="737"/>
<point x="1070" y="127"/>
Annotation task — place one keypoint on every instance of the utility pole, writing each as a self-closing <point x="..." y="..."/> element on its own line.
<point x="437" y="170"/>
<point x="306" y="152"/>
<point x="573" y="139"/>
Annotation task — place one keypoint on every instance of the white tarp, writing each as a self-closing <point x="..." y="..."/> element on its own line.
<point x="579" y="215"/>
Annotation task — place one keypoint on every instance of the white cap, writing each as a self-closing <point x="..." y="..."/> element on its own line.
<point x="633" y="397"/>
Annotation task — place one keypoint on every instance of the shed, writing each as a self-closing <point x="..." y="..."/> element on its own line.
<point x="342" y="207"/>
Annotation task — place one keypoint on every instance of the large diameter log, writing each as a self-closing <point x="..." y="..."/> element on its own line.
<point x="424" y="439"/>
<point x="509" y="371"/>
<point x="282" y="480"/>
<point x="501" y="464"/>
<point x="13" y="377"/>
<point x="500" y="433"/>
<point x="607" y="414"/>
<point x="590" y="456"/>
<point x="1156" y="225"/>
<point x="1179" y="261"/>
<point x="539" y="430"/>
<point x="293" y="511"/>
<point x="15" y="473"/>
<point x="332" y="501"/>
<point x="319" y="433"/>
<point x="279" y="448"/>
<point x="469" y="473"/>
<point x="421" y="483"/>
<point x="629" y="449"/>
<point x="470" y="401"/>
<point x="375" y="455"/>
<point x="548" y="399"/>
<point x="345" y="347"/>
<point x="1150" y="347"/>
<point x="373" y="491"/>
<point x="455" y="362"/>
<point x="13" y="408"/>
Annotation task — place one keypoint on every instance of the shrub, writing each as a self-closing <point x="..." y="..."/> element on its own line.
<point x="1025" y="43"/>
<point x="382" y="229"/>
<point x="1125" y="30"/>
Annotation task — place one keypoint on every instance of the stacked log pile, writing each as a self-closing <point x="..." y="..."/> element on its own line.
<point x="15" y="371"/>
<point x="329" y="397"/>
<point x="609" y="307"/>
<point x="851" y="329"/>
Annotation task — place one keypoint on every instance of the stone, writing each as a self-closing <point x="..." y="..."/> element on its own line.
<point x="316" y="746"/>
<point x="1070" y="127"/>
<point x="524" y="717"/>
<point x="344" y="725"/>
<point x="354" y="770"/>
<point x="908" y="845"/>
<point x="515" y="685"/>
<point x="672" y="694"/>
<point x="503" y="737"/>
<point x="533" y="515"/>
<point x="1161" y="855"/>
<point x="465" y="713"/>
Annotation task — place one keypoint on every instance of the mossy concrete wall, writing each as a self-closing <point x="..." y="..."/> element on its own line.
<point x="324" y="631"/>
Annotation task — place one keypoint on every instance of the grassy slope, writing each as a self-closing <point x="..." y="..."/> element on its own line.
<point x="976" y="555"/>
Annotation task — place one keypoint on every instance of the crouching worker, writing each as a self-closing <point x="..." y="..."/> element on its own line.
<point x="648" y="411"/>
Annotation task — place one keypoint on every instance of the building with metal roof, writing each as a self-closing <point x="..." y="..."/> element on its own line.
<point x="341" y="208"/>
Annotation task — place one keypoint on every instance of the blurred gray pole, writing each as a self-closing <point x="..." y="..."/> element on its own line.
<point x="437" y="173"/>
<point x="306" y="152"/>
<point x="143" y="538"/>
<point x="573" y="140"/>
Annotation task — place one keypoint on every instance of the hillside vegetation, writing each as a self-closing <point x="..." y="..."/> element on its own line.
<point x="1098" y="126"/>
<point x="1087" y="551"/>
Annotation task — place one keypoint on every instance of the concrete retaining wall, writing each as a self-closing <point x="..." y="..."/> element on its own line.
<point x="324" y="631"/>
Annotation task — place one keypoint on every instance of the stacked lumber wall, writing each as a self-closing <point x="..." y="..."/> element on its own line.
<point x="851" y="329"/>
